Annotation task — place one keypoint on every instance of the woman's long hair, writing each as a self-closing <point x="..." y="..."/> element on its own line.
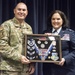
<point x="63" y="16"/>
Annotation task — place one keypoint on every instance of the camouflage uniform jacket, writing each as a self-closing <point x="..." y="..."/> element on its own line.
<point x="12" y="44"/>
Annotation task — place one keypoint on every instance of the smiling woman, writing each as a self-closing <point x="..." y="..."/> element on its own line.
<point x="58" y="21"/>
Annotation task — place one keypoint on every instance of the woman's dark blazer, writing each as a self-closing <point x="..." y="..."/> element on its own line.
<point x="68" y="52"/>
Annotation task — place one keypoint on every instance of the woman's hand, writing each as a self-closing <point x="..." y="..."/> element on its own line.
<point x="48" y="33"/>
<point x="61" y="63"/>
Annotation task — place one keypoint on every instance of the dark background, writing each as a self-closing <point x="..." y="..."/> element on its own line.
<point x="38" y="13"/>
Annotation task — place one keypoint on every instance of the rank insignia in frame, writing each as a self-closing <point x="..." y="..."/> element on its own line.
<point x="43" y="48"/>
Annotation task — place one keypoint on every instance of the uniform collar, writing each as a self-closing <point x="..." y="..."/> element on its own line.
<point x="17" y="23"/>
<point x="58" y="30"/>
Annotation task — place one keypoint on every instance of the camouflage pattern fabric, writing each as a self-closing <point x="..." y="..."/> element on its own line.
<point x="12" y="44"/>
<point x="13" y="73"/>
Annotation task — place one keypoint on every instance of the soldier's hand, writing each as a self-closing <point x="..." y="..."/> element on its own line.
<point x="24" y="60"/>
<point x="31" y="69"/>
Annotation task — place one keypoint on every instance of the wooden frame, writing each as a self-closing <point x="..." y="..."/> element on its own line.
<point x="43" y="48"/>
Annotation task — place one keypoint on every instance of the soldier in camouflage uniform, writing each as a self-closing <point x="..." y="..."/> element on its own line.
<point x="13" y="61"/>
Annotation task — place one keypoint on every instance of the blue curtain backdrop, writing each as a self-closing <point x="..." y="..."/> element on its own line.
<point x="38" y="14"/>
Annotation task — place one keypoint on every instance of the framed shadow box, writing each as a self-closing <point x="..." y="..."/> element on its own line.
<point x="43" y="48"/>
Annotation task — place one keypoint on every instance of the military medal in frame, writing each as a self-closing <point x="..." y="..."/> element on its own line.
<point x="43" y="48"/>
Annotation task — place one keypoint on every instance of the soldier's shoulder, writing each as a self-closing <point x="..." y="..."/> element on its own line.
<point x="7" y="22"/>
<point x="1" y="31"/>
<point x="1" y="28"/>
